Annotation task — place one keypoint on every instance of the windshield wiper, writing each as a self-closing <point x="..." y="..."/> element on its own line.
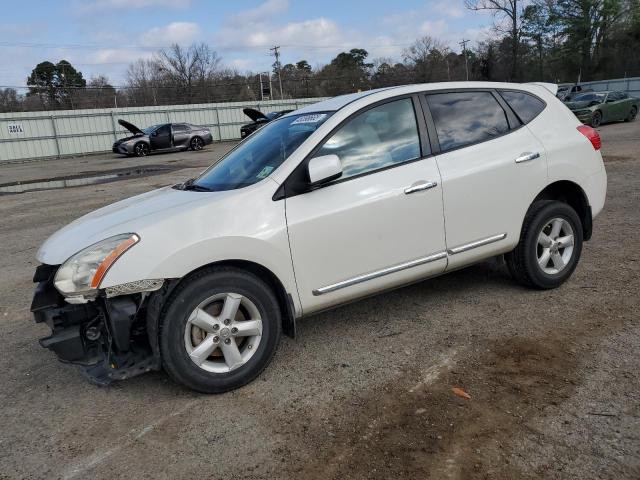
<point x="189" y="185"/>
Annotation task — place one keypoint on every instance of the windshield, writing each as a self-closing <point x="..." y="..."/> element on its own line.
<point x="588" y="97"/>
<point x="150" y="129"/>
<point x="263" y="152"/>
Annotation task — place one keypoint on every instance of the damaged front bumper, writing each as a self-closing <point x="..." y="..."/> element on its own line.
<point x="108" y="338"/>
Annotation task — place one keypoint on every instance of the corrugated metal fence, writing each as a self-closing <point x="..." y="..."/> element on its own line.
<point x="26" y="135"/>
<point x="629" y="85"/>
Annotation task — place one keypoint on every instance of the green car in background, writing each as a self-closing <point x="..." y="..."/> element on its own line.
<point x="595" y="108"/>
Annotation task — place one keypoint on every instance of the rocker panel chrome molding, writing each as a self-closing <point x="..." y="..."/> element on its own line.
<point x="379" y="273"/>
<point x="476" y="244"/>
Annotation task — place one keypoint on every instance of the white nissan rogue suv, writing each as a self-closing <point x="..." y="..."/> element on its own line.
<point x="339" y="200"/>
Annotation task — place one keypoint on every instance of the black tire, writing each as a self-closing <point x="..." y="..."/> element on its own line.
<point x="523" y="260"/>
<point x="187" y="296"/>
<point x="196" y="144"/>
<point x="632" y="114"/>
<point x="141" y="149"/>
<point x="596" y="119"/>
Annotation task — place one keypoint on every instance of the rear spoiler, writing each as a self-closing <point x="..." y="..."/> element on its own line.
<point x="552" y="87"/>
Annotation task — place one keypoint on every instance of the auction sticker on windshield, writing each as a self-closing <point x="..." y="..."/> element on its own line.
<point x="313" y="118"/>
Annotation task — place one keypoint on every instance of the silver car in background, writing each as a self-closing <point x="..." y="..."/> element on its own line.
<point x="162" y="137"/>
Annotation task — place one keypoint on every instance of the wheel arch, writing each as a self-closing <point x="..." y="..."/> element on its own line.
<point x="285" y="300"/>
<point x="572" y="194"/>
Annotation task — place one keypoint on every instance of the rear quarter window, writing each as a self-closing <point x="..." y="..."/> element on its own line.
<point x="526" y="106"/>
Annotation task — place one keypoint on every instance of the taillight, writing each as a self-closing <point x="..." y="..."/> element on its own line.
<point x="592" y="135"/>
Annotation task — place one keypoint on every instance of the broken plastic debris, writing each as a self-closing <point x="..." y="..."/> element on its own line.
<point x="461" y="393"/>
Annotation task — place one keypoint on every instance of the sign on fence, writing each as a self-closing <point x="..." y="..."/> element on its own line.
<point x="15" y="128"/>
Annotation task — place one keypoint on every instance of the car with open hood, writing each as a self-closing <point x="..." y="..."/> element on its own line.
<point x="595" y="108"/>
<point x="162" y="137"/>
<point x="259" y="120"/>
<point x="337" y="201"/>
<point x="568" y="91"/>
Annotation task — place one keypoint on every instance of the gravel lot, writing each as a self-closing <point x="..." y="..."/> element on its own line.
<point x="365" y="391"/>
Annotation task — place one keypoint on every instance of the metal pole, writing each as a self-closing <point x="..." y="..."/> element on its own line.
<point x="113" y="126"/>
<point x="276" y="53"/>
<point x="464" y="51"/>
<point x="55" y="134"/>
<point x="218" y="124"/>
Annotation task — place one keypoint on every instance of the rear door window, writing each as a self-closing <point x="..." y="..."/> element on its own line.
<point x="465" y="118"/>
<point x="526" y="106"/>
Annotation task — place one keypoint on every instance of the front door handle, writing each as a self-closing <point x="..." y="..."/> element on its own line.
<point x="528" y="156"/>
<point x="420" y="186"/>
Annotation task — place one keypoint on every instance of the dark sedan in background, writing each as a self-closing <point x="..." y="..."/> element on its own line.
<point x="259" y="120"/>
<point x="162" y="137"/>
<point x="595" y="108"/>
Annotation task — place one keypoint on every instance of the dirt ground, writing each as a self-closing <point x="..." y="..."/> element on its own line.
<point x="366" y="389"/>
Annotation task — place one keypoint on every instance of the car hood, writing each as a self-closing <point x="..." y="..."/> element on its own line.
<point x="132" y="215"/>
<point x="131" y="127"/>
<point x="578" y="105"/>
<point x="254" y="115"/>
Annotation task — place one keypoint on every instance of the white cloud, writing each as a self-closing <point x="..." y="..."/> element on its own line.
<point x="435" y="29"/>
<point x="177" y="32"/>
<point x="261" y="12"/>
<point x="450" y="9"/>
<point x="130" y="4"/>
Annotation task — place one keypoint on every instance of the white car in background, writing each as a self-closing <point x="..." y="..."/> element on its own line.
<point x="339" y="200"/>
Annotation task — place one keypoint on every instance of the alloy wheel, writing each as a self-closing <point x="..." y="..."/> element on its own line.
<point x="196" y="144"/>
<point x="142" y="150"/>
<point x="223" y="332"/>
<point x="555" y="246"/>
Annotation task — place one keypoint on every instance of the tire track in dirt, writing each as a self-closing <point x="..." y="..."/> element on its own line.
<point x="404" y="430"/>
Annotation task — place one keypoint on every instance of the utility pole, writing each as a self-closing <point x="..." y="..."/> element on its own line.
<point x="276" y="53"/>
<point x="464" y="51"/>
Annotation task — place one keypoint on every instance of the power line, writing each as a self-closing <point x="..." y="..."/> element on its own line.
<point x="90" y="46"/>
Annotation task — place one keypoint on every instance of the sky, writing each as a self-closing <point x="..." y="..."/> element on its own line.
<point x="101" y="37"/>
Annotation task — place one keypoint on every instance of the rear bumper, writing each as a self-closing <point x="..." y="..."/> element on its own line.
<point x="104" y="337"/>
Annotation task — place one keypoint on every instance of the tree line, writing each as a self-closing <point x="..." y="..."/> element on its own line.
<point x="534" y="40"/>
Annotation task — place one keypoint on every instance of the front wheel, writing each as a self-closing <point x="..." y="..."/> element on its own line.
<point x="632" y="114"/>
<point x="220" y="329"/>
<point x="141" y="149"/>
<point x="596" y="119"/>
<point x="550" y="246"/>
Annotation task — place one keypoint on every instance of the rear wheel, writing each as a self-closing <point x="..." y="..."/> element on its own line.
<point x="596" y="119"/>
<point x="632" y="114"/>
<point x="141" y="149"/>
<point x="220" y="330"/>
<point x="196" y="144"/>
<point x="550" y="246"/>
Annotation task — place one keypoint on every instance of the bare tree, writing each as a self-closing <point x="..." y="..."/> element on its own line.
<point x="9" y="101"/>
<point x="190" y="68"/>
<point x="427" y="56"/>
<point x="506" y="20"/>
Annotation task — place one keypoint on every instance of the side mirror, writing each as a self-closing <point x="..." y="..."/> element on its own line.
<point x="324" y="169"/>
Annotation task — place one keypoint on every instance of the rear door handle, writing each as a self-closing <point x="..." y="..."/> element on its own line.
<point x="420" y="186"/>
<point x="526" y="157"/>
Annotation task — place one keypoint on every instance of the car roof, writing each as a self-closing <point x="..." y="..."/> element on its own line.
<point x="337" y="103"/>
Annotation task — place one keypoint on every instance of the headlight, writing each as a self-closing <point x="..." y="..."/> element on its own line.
<point x="84" y="271"/>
